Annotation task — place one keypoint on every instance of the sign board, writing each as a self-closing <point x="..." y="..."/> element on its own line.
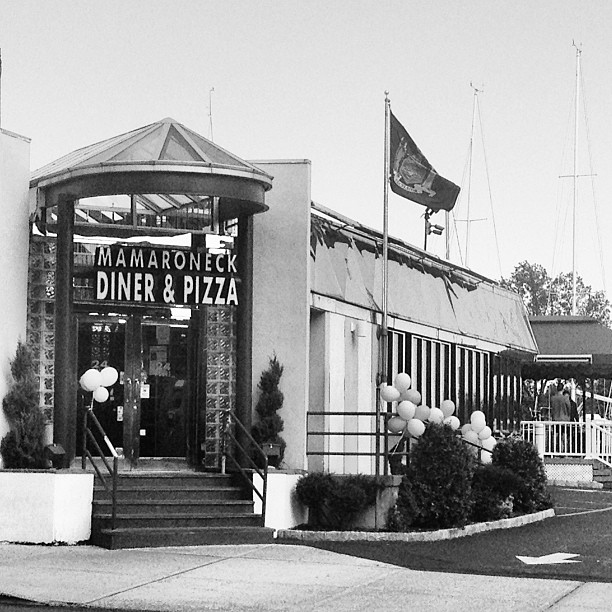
<point x="152" y="275"/>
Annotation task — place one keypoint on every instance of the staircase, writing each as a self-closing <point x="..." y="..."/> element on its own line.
<point x="602" y="474"/>
<point x="176" y="508"/>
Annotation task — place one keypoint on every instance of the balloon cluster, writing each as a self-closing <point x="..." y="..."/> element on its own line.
<point x="478" y="433"/>
<point x="410" y="415"/>
<point x="97" y="381"/>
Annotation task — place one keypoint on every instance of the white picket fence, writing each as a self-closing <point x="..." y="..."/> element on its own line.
<point x="589" y="440"/>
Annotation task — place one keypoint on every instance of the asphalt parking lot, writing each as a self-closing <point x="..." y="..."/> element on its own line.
<point x="575" y="544"/>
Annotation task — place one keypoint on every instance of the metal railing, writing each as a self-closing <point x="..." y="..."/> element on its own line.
<point x="601" y="442"/>
<point x="230" y="442"/>
<point x="591" y="439"/>
<point x="329" y="438"/>
<point x="110" y="480"/>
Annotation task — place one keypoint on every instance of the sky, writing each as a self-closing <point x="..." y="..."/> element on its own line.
<point x="307" y="79"/>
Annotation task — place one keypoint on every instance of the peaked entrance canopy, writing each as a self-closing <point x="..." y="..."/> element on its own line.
<point x="161" y="169"/>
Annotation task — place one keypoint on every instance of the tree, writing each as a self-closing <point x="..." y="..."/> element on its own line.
<point x="543" y="295"/>
<point x="531" y="282"/>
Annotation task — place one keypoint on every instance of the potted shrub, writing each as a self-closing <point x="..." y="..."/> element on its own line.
<point x="23" y="446"/>
<point x="266" y="430"/>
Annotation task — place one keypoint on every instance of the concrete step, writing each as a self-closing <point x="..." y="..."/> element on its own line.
<point x="176" y="520"/>
<point x="172" y="506"/>
<point x="171" y="536"/>
<point x="173" y="479"/>
<point x="126" y="493"/>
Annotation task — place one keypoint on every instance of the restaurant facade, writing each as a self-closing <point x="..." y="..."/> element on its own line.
<point x="186" y="269"/>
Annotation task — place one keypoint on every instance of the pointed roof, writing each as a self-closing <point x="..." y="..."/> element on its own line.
<point x="166" y="147"/>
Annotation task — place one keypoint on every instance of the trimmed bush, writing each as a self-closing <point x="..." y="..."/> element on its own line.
<point x="436" y="490"/>
<point x="493" y="491"/>
<point x="270" y="424"/>
<point x="522" y="459"/>
<point x="334" y="501"/>
<point x="23" y="446"/>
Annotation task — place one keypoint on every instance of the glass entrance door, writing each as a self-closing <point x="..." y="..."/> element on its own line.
<point x="147" y="410"/>
<point x="164" y="391"/>
<point x="101" y="343"/>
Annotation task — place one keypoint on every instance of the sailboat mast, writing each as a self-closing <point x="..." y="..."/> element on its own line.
<point x="575" y="176"/>
<point x="469" y="189"/>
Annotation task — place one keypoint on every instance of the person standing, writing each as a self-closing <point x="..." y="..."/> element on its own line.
<point x="561" y="410"/>
<point x="560" y="406"/>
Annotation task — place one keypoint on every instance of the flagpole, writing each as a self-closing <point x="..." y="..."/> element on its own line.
<point x="385" y="287"/>
<point x="382" y="378"/>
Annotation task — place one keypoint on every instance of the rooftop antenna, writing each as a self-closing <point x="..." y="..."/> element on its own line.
<point x="210" y="114"/>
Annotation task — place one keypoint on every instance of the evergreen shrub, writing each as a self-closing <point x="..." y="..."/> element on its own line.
<point x="23" y="446"/>
<point x="522" y="459"/>
<point x="436" y="490"/>
<point x="334" y="501"/>
<point x="493" y="491"/>
<point x="269" y="424"/>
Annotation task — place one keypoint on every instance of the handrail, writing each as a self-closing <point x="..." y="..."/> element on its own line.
<point x="230" y="418"/>
<point x="601" y="444"/>
<point x="112" y="471"/>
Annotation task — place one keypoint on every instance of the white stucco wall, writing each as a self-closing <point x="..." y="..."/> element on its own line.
<point x="283" y="510"/>
<point x="45" y="507"/>
<point x="14" y="180"/>
<point x="281" y="295"/>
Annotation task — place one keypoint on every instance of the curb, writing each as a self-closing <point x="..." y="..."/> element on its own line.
<point x="413" y="536"/>
<point x="576" y="484"/>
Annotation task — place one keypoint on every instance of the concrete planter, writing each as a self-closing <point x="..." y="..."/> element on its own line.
<point x="45" y="506"/>
<point x="283" y="510"/>
<point x="375" y="516"/>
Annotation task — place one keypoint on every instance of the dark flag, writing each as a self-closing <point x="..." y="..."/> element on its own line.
<point x="412" y="176"/>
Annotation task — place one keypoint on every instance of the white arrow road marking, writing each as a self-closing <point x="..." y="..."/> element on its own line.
<point x="549" y="559"/>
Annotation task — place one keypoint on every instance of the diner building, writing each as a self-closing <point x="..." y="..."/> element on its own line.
<point x="186" y="268"/>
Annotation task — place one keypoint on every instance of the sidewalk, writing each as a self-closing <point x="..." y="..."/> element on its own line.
<point x="268" y="577"/>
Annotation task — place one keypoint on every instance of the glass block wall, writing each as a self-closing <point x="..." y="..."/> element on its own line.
<point x="41" y="312"/>
<point x="220" y="356"/>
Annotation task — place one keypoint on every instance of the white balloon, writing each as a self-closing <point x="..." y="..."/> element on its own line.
<point x="109" y="376"/>
<point x="489" y="444"/>
<point x="402" y="382"/>
<point x="447" y="407"/>
<point x="436" y="415"/>
<point x="467" y="427"/>
<point x="485" y="457"/>
<point x="422" y="412"/>
<point x="478" y="421"/>
<point x="477" y="415"/>
<point x="389" y="393"/>
<point x="101" y="394"/>
<point x="411" y="395"/>
<point x="478" y="426"/>
<point x="471" y="436"/>
<point x="406" y="410"/>
<point x="416" y="428"/>
<point x="90" y="380"/>
<point x="396" y="424"/>
<point x="453" y="421"/>
<point x="484" y="433"/>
